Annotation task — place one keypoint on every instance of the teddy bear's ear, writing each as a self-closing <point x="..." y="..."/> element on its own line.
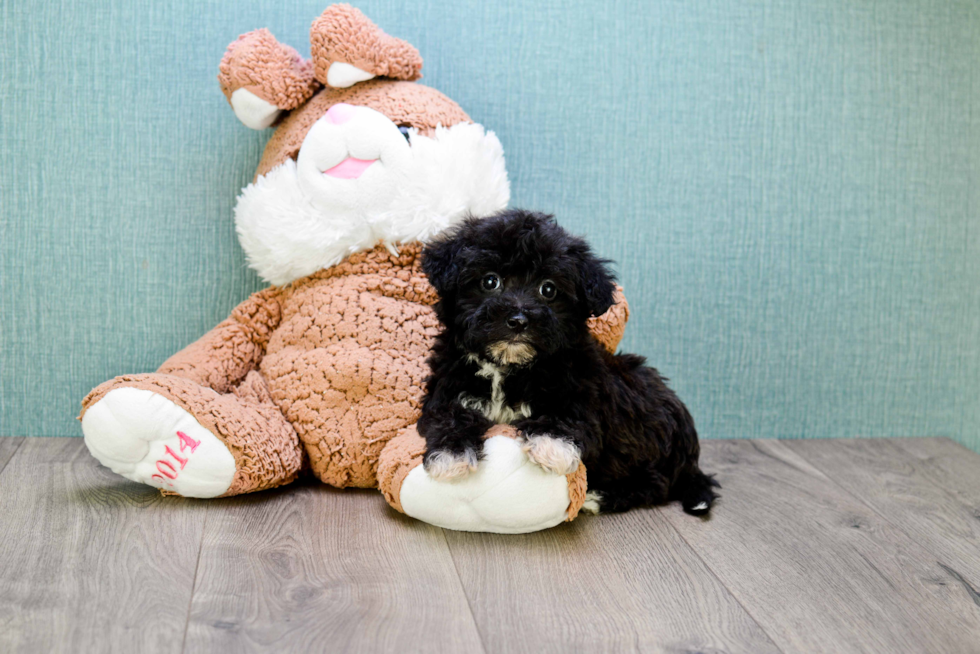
<point x="262" y="78"/>
<point x="347" y="48"/>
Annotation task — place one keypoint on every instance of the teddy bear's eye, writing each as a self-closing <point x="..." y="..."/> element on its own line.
<point x="404" y="130"/>
<point x="548" y="290"/>
<point x="490" y="282"/>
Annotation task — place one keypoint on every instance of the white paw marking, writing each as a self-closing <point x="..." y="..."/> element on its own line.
<point x="341" y="75"/>
<point x="148" y="439"/>
<point x="701" y="506"/>
<point x="253" y="111"/>
<point x="591" y="504"/>
<point x="443" y="466"/>
<point x="557" y="455"/>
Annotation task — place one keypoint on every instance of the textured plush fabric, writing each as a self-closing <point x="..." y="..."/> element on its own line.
<point x="347" y="362"/>
<point x="610" y="326"/>
<point x="344" y="34"/>
<point x="272" y="71"/>
<point x="788" y="188"/>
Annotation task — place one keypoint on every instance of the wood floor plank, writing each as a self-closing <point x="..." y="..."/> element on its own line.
<point x="891" y="480"/>
<point x="611" y="583"/>
<point x="90" y="562"/>
<point x="817" y="568"/>
<point x="311" y="568"/>
<point x="949" y="464"/>
<point x="8" y="445"/>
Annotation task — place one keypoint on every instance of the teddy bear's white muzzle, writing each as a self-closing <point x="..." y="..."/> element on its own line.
<point x="353" y="158"/>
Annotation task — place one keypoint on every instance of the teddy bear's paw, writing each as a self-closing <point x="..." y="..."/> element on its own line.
<point x="148" y="439"/>
<point x="556" y="455"/>
<point x="507" y="494"/>
<point x="446" y="465"/>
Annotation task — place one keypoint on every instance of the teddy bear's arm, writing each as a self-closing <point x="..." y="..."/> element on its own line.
<point x="609" y="327"/>
<point x="222" y="357"/>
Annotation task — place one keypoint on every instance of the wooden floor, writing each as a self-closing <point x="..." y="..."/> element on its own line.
<point x="816" y="546"/>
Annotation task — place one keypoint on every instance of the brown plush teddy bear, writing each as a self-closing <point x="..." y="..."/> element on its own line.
<point x="324" y="370"/>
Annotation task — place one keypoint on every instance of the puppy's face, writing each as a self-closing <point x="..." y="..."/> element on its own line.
<point x="516" y="286"/>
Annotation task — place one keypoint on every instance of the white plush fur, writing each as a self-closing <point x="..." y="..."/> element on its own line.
<point x="507" y="494"/>
<point x="342" y="75"/>
<point x="130" y="430"/>
<point x="253" y="111"/>
<point x="290" y="226"/>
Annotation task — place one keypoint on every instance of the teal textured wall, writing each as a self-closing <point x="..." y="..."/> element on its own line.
<point x="790" y="189"/>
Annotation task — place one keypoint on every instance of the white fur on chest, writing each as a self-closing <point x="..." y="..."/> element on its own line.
<point x="495" y="408"/>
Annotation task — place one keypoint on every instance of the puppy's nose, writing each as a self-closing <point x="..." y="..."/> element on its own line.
<point x="517" y="322"/>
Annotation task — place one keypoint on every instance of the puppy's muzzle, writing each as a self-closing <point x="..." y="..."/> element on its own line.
<point x="511" y="352"/>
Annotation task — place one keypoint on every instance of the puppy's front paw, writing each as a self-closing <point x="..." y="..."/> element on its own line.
<point x="593" y="503"/>
<point x="443" y="465"/>
<point x="557" y="455"/>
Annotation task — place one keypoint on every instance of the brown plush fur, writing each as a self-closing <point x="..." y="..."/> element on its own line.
<point x="272" y="71"/>
<point x="342" y="33"/>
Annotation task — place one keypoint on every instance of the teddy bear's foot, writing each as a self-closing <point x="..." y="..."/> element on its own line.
<point x="507" y="493"/>
<point x="148" y="439"/>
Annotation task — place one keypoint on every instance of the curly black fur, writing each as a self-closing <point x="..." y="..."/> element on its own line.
<point x="635" y="436"/>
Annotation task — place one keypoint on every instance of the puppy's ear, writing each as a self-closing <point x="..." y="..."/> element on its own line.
<point x="596" y="284"/>
<point x="440" y="266"/>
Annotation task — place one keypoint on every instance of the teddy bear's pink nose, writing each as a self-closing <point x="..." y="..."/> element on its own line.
<point x="340" y="113"/>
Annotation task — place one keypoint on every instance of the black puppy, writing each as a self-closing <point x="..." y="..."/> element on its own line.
<point x="516" y="292"/>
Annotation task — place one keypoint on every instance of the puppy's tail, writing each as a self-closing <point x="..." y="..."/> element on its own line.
<point x="695" y="491"/>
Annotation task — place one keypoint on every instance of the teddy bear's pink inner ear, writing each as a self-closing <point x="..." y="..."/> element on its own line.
<point x="347" y="48"/>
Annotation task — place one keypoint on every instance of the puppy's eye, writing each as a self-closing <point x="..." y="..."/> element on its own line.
<point x="548" y="290"/>
<point x="404" y="130"/>
<point x="490" y="282"/>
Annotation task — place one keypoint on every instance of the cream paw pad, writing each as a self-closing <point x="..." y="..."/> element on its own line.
<point x="148" y="439"/>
